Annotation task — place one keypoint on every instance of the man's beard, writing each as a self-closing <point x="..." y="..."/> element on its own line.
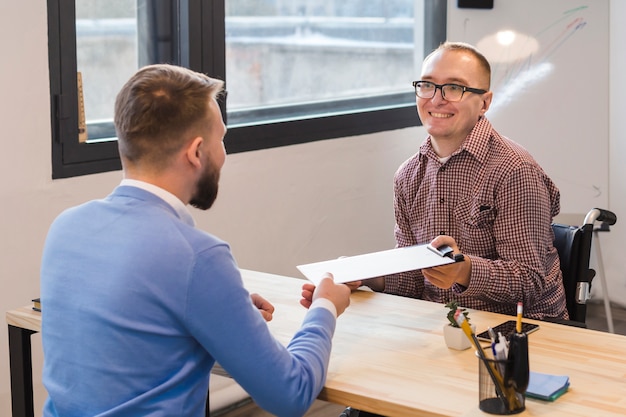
<point x="206" y="189"/>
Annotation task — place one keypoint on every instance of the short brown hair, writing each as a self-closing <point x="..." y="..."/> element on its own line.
<point x="158" y="108"/>
<point x="466" y="47"/>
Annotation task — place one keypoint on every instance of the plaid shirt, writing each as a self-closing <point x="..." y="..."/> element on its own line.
<point x="494" y="199"/>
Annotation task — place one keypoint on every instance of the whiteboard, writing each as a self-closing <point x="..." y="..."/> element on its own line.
<point x="551" y="86"/>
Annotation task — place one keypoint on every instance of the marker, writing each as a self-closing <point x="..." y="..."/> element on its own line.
<point x="501" y="354"/>
<point x="494" y="338"/>
<point x="520" y="309"/>
<point x="492" y="335"/>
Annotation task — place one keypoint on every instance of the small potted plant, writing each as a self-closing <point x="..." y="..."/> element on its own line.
<point x="453" y="335"/>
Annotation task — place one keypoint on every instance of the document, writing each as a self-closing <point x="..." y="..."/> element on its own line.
<point x="370" y="265"/>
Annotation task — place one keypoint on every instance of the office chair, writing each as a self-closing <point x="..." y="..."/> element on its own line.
<point x="573" y="244"/>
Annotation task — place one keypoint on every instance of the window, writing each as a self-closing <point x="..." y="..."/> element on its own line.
<point x="296" y="71"/>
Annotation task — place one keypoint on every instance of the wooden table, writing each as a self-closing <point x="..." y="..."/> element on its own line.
<point x="389" y="356"/>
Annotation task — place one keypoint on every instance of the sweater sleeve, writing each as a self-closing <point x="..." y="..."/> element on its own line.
<point x="221" y="317"/>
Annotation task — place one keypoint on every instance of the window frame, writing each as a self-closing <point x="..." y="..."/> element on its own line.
<point x="69" y="156"/>
<point x="206" y="53"/>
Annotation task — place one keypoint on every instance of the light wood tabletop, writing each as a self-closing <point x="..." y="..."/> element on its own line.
<point x="389" y="356"/>
<point x="25" y="318"/>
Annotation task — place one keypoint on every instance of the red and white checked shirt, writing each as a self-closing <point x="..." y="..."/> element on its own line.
<point x="494" y="199"/>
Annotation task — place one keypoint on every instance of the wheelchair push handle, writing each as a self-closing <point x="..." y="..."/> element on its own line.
<point x="601" y="215"/>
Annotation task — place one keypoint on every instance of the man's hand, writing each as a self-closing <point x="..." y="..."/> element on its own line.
<point x="265" y="307"/>
<point x="445" y="276"/>
<point x="307" y="294"/>
<point x="354" y="285"/>
<point x="338" y="294"/>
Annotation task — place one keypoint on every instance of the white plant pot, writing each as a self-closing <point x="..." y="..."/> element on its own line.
<point x="455" y="337"/>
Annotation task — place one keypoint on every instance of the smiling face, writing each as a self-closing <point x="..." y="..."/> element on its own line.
<point x="449" y="123"/>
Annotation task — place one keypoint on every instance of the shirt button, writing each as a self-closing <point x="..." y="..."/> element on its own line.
<point x="442" y="200"/>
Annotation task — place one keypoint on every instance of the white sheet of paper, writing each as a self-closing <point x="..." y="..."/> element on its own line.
<point x="370" y="265"/>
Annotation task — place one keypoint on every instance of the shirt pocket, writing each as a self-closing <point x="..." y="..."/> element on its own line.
<point x="476" y="218"/>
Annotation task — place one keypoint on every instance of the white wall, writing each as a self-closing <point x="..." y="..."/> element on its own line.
<point x="612" y="243"/>
<point x="550" y="53"/>
<point x="278" y="208"/>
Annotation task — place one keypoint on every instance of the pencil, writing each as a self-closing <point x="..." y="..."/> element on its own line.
<point x="520" y="309"/>
<point x="507" y="396"/>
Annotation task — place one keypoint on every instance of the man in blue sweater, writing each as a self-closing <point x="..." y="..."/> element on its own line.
<point x="138" y="304"/>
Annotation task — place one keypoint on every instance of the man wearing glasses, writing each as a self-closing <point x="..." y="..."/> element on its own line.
<point x="478" y="192"/>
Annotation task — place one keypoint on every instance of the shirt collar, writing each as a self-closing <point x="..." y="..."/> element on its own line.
<point x="476" y="143"/>
<point x="165" y="195"/>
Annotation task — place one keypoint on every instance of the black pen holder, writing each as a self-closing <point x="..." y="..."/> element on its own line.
<point x="493" y="395"/>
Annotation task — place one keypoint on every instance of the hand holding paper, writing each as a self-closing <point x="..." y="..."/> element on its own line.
<point x="359" y="267"/>
<point x="445" y="277"/>
<point x="338" y="295"/>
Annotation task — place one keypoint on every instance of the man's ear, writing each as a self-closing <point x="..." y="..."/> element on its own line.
<point x="487" y="97"/>
<point x="194" y="151"/>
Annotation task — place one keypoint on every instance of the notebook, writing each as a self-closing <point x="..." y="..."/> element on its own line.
<point x="546" y="387"/>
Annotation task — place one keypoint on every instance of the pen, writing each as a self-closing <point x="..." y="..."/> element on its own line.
<point x="520" y="308"/>
<point x="496" y="376"/>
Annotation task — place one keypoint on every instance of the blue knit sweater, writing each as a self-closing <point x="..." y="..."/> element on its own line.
<point x="137" y="307"/>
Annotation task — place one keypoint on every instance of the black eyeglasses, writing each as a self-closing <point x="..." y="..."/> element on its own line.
<point x="449" y="92"/>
